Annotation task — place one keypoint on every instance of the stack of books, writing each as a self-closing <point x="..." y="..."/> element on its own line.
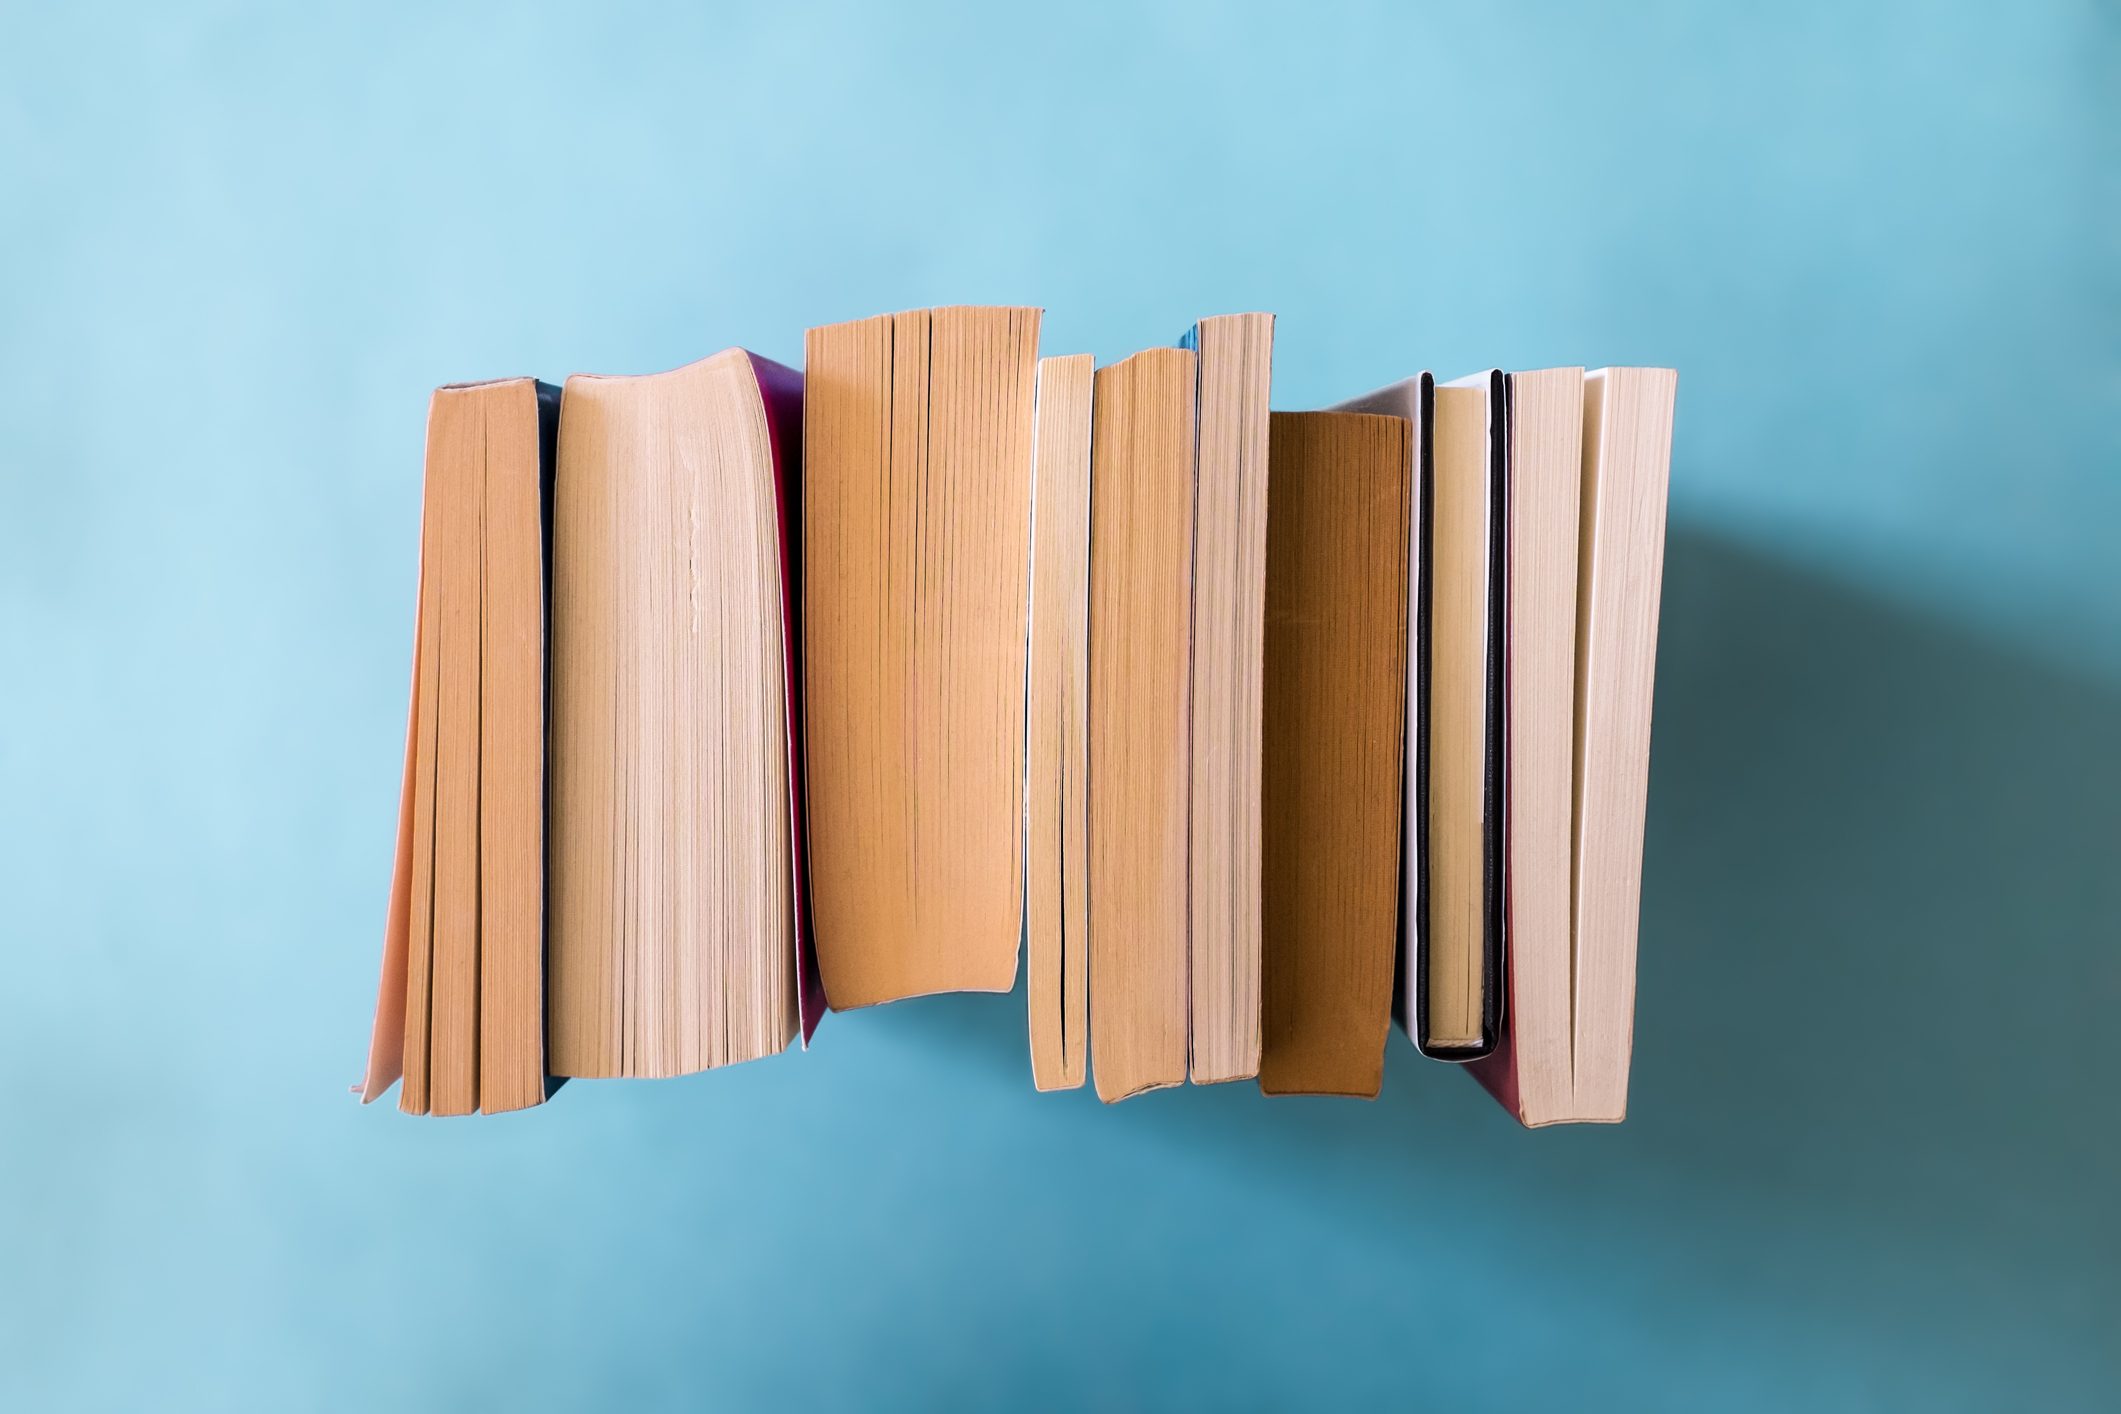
<point x="742" y="694"/>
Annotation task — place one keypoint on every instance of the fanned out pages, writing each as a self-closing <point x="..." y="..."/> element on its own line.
<point x="1141" y="551"/>
<point x="1565" y="1056"/>
<point x="1458" y="957"/>
<point x="459" y="1011"/>
<point x="1335" y="732"/>
<point x="1236" y="354"/>
<point x="916" y="515"/>
<point x="1056" y="850"/>
<point x="676" y="865"/>
<point x="1413" y="400"/>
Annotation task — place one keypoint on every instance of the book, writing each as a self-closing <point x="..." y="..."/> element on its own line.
<point x="916" y="531"/>
<point x="1341" y="506"/>
<point x="677" y="919"/>
<point x="1565" y="1056"/>
<point x="1056" y="769"/>
<point x="1236" y="354"/>
<point x="1458" y="958"/>
<point x="740" y="693"/>
<point x="1539" y="694"/>
<point x="1413" y="400"/>
<point x="1141" y="556"/>
<point x="459" y="1009"/>
<point x="1453" y="892"/>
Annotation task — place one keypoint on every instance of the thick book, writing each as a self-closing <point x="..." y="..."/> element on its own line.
<point x="1141" y="557"/>
<point x="678" y="927"/>
<point x="1230" y="511"/>
<point x="460" y="1007"/>
<point x="1335" y="732"/>
<point x="916" y="519"/>
<point x="1565" y="1054"/>
<point x="1056" y="766"/>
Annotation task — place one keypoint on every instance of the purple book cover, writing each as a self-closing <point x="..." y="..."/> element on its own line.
<point x="781" y="393"/>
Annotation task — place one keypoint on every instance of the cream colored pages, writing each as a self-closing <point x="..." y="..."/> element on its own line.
<point x="1457" y="716"/>
<point x="1236" y="354"/>
<point x="672" y="925"/>
<point x="1627" y="448"/>
<point x="1546" y="459"/>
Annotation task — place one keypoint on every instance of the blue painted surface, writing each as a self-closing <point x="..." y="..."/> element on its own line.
<point x="1873" y="1149"/>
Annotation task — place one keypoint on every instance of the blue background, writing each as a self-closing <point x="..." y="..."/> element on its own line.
<point x="1872" y="1159"/>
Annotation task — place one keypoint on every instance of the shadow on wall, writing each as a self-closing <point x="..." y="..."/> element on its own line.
<point x="1881" y="961"/>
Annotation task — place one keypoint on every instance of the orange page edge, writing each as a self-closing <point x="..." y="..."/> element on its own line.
<point x="386" y="1042"/>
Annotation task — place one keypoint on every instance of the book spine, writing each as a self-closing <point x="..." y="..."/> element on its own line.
<point x="781" y="394"/>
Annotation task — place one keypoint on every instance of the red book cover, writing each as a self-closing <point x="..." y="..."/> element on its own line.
<point x="1497" y="1070"/>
